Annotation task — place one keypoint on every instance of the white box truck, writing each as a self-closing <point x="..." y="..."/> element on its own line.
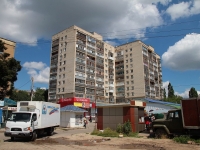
<point x="33" y="118"/>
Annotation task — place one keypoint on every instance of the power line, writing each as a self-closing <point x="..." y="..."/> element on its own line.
<point x="24" y="84"/>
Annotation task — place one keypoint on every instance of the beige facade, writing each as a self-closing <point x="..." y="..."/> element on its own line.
<point x="10" y="45"/>
<point x="83" y="65"/>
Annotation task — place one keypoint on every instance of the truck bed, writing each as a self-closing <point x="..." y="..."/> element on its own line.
<point x="190" y="113"/>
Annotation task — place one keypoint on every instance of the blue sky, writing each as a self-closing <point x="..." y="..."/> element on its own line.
<point x="172" y="27"/>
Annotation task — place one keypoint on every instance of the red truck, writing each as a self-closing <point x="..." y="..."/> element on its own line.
<point x="184" y="121"/>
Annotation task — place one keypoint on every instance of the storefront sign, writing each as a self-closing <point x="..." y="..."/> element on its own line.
<point x="12" y="108"/>
<point x="77" y="104"/>
<point x="76" y="101"/>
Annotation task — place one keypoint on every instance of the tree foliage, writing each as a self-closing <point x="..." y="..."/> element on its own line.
<point x="164" y="93"/>
<point x="19" y="95"/>
<point x="40" y="95"/>
<point x="9" y="68"/>
<point x="170" y="91"/>
<point x="193" y="93"/>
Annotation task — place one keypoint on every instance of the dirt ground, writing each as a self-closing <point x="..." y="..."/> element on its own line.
<point x="84" y="141"/>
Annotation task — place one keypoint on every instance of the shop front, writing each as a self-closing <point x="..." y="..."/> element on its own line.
<point x="83" y="103"/>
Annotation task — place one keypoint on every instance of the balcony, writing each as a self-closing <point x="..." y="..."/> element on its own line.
<point x="53" y="66"/>
<point x="82" y="84"/>
<point x="81" y="70"/>
<point x="119" y="58"/>
<point x="100" y="79"/>
<point x="99" y="55"/>
<point x="53" y="78"/>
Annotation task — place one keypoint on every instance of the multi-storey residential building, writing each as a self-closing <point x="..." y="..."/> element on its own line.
<point x="10" y="45"/>
<point x="83" y="65"/>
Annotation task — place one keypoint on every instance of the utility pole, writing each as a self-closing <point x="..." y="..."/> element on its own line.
<point x="32" y="88"/>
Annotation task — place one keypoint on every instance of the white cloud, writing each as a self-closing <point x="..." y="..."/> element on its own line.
<point x="31" y="20"/>
<point x="185" y="94"/>
<point x="184" y="9"/>
<point x="184" y="54"/>
<point x="165" y="86"/>
<point x="38" y="70"/>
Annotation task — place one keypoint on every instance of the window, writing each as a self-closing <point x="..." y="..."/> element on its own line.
<point x="63" y="89"/>
<point x="130" y="49"/>
<point x="131" y="76"/>
<point x="126" y="66"/>
<point x="59" y="83"/>
<point x="132" y="82"/>
<point x="127" y="77"/>
<point x="131" y="55"/>
<point x="126" y="55"/>
<point x="106" y="65"/>
<point x="131" y="60"/>
<point x="34" y="117"/>
<point x="106" y="94"/>
<point x="131" y="65"/>
<point x="126" y="50"/>
<point x="65" y="36"/>
<point x="127" y="94"/>
<point x="132" y="87"/>
<point x="58" y="90"/>
<point x="64" y="62"/>
<point x="132" y="93"/>
<point x="61" y="38"/>
<point x="126" y="61"/>
<point x="176" y="115"/>
<point x="60" y="63"/>
<point x="59" y="76"/>
<point x="106" y="82"/>
<point x="126" y="71"/>
<point x="127" y="82"/>
<point x="63" y="75"/>
<point x="60" y="69"/>
<point x="63" y="68"/>
<point x="127" y="88"/>
<point x="131" y="70"/>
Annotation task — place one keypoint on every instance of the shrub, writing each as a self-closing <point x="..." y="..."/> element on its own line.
<point x="182" y="139"/>
<point x="119" y="128"/>
<point x="95" y="132"/>
<point x="109" y="133"/>
<point x="127" y="128"/>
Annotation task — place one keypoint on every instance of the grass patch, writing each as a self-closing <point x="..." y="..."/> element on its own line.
<point x="112" y="133"/>
<point x="184" y="139"/>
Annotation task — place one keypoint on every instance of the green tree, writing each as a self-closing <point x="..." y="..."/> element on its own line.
<point x="193" y="93"/>
<point x="46" y="95"/>
<point x="170" y="91"/>
<point x="164" y="93"/>
<point x="19" y="95"/>
<point x="9" y="68"/>
<point x="39" y="95"/>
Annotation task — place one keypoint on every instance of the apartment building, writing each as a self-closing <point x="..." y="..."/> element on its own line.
<point x="83" y="65"/>
<point x="10" y="45"/>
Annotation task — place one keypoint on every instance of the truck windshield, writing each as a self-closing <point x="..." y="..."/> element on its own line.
<point x="20" y="117"/>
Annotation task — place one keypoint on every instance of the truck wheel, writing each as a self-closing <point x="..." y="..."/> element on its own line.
<point x="160" y="133"/>
<point x="34" y="136"/>
<point x="50" y="131"/>
<point x="12" y="138"/>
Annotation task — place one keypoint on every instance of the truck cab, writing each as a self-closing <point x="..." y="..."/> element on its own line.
<point x="171" y="125"/>
<point x="22" y="124"/>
